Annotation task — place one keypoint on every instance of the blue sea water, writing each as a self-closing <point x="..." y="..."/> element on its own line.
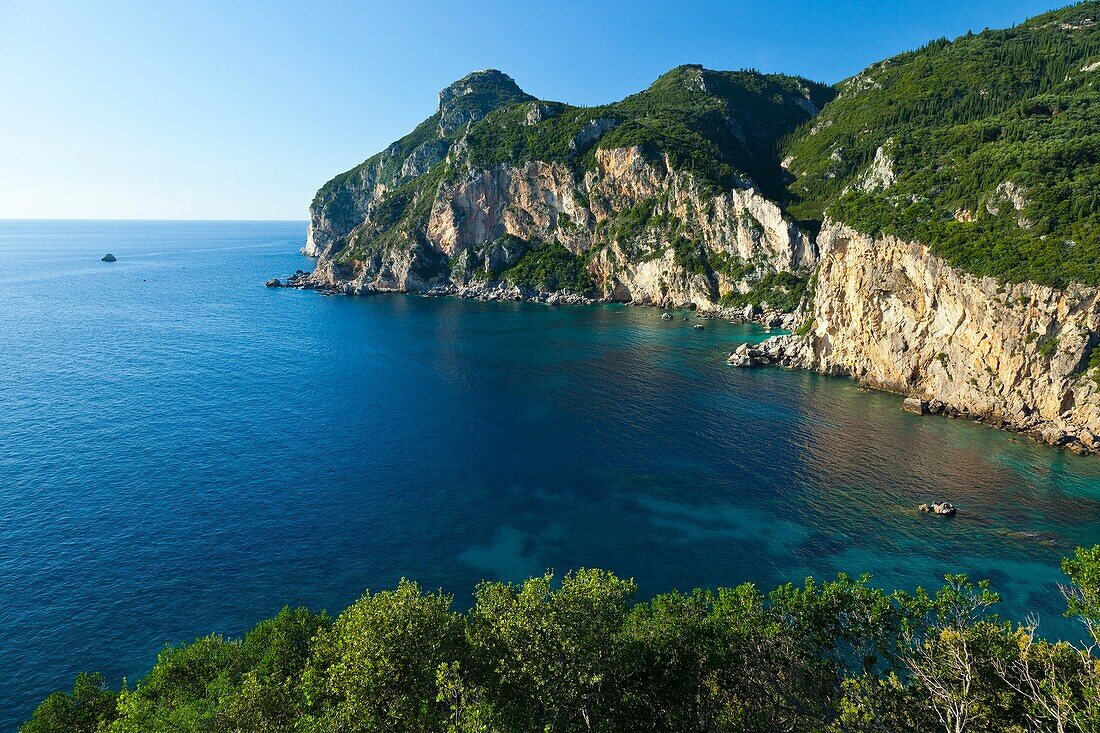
<point x="183" y="451"/>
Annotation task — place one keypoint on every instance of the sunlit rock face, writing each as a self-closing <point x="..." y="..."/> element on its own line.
<point x="895" y="317"/>
<point x="444" y="207"/>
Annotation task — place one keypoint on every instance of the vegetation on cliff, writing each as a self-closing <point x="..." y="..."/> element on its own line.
<point x="578" y="654"/>
<point x="985" y="148"/>
<point x="721" y="127"/>
<point x="550" y="267"/>
<point x="779" y="290"/>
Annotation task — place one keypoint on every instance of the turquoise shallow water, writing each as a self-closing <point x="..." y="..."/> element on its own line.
<point x="183" y="451"/>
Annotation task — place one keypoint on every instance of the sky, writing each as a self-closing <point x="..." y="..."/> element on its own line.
<point x="241" y="110"/>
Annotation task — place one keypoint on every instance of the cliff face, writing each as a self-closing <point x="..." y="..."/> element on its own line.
<point x="496" y="176"/>
<point x="350" y="199"/>
<point x="895" y="317"/>
<point x="487" y="222"/>
<point x="488" y="219"/>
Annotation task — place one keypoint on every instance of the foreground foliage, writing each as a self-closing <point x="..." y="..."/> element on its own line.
<point x="580" y="655"/>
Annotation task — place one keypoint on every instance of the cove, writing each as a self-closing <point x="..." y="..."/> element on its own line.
<point x="185" y="451"/>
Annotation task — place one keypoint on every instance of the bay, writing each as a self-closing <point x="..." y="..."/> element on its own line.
<point x="183" y="451"/>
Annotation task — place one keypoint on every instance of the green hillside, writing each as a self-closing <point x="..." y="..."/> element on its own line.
<point x="722" y="125"/>
<point x="969" y="126"/>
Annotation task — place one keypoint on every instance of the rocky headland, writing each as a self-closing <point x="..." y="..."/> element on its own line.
<point x="942" y="250"/>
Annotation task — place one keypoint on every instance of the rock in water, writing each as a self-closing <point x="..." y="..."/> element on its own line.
<point x="915" y="405"/>
<point x="666" y="316"/>
<point x="108" y="258"/>
<point x="744" y="356"/>
<point x="943" y="508"/>
<point x="698" y="327"/>
<point x="274" y="283"/>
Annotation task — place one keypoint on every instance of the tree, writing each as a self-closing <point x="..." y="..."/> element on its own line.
<point x="89" y="705"/>
<point x="184" y="690"/>
<point x="277" y="649"/>
<point x="376" y="667"/>
<point x="1083" y="593"/>
<point x="1051" y="679"/>
<point x="548" y="654"/>
<point x="670" y="658"/>
<point x="951" y="643"/>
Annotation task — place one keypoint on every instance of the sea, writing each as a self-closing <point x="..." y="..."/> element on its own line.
<point x="184" y="451"/>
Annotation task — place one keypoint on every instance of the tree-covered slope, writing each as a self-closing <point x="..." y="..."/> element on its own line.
<point x="579" y="654"/>
<point x="986" y="148"/>
<point x="721" y="125"/>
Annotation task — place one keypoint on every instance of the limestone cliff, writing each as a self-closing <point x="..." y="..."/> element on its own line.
<point x="468" y="195"/>
<point x="351" y="198"/>
<point x="485" y="224"/>
<point x="895" y="317"/>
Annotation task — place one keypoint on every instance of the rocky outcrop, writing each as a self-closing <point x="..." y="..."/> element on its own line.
<point x="942" y="508"/>
<point x="351" y="199"/>
<point x="474" y="96"/>
<point x="880" y="174"/>
<point x="592" y="132"/>
<point x="347" y="201"/>
<point x="893" y="316"/>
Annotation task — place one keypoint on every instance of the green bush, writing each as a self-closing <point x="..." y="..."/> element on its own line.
<point x="782" y="291"/>
<point x="550" y="267"/>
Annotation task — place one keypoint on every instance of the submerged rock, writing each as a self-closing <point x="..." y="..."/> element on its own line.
<point x="108" y="258"/>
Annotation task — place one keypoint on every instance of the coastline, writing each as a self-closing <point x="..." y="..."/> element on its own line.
<point x="788" y="351"/>
<point x="498" y="291"/>
<point x="782" y="350"/>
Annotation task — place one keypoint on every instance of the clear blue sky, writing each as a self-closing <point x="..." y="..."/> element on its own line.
<point x="241" y="110"/>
